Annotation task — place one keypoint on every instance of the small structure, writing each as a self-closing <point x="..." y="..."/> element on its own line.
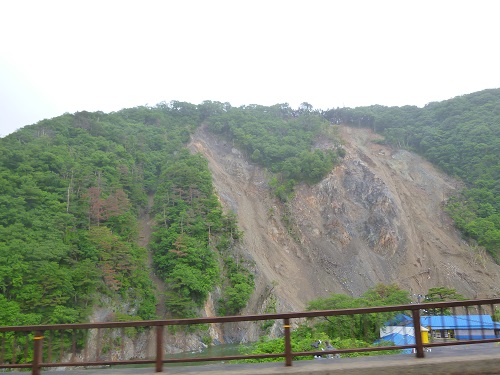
<point x="400" y="331"/>
<point x="462" y="327"/>
<point x="399" y="340"/>
<point x="405" y="331"/>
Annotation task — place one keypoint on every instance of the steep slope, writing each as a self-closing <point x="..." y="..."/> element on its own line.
<point x="378" y="217"/>
<point x="242" y="188"/>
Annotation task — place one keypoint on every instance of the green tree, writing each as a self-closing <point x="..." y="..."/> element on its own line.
<point x="363" y="326"/>
<point x="442" y="294"/>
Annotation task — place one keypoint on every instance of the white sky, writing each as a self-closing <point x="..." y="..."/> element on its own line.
<point x="68" y="56"/>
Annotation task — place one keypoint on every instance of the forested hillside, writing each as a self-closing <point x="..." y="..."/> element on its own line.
<point x="72" y="190"/>
<point x="280" y="139"/>
<point x="461" y="136"/>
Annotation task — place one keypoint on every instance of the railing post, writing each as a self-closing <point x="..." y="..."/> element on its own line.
<point x="159" y="348"/>
<point x="418" y="333"/>
<point x="288" y="344"/>
<point x="37" y="353"/>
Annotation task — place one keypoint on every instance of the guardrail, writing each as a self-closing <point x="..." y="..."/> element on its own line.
<point x="34" y="346"/>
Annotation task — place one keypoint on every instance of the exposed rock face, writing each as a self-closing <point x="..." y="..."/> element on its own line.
<point x="377" y="217"/>
<point x="380" y="217"/>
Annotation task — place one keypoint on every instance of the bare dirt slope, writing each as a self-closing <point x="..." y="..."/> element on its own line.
<point x="382" y="210"/>
<point x="377" y="217"/>
<point x="242" y="187"/>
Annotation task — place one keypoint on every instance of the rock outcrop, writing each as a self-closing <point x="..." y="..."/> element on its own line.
<point x="378" y="217"/>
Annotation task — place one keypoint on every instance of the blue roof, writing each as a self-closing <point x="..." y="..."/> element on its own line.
<point x="458" y="322"/>
<point x="447" y="321"/>
<point x="399" y="320"/>
<point x="398" y="339"/>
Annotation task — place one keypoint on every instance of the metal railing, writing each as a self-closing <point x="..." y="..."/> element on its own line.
<point x="36" y="347"/>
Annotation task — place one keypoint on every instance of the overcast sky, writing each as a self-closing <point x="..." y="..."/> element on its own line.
<point x="69" y="56"/>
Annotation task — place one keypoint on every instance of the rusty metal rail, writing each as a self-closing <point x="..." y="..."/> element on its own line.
<point x="24" y="345"/>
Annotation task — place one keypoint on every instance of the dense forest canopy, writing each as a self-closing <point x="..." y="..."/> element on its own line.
<point x="73" y="190"/>
<point x="282" y="140"/>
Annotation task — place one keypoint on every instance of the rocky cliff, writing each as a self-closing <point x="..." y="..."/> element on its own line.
<point x="376" y="218"/>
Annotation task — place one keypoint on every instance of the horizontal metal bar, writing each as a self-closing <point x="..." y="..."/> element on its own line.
<point x="462" y="342"/>
<point x="97" y="363"/>
<point x="243" y="318"/>
<point x="355" y="350"/>
<point x="226" y="358"/>
<point x="16" y="365"/>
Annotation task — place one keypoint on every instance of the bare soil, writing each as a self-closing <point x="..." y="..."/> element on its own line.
<point x="377" y="217"/>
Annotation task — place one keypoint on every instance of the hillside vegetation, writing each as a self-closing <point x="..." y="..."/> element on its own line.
<point x="72" y="190"/>
<point x="280" y="139"/>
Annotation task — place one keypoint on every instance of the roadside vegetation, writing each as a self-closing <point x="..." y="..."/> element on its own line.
<point x="349" y="331"/>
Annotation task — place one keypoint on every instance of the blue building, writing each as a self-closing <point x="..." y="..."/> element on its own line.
<point x="461" y="327"/>
<point x="398" y="340"/>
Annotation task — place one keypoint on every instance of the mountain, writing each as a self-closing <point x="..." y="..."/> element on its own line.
<point x="462" y="137"/>
<point x="378" y="217"/>
<point x="182" y="209"/>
